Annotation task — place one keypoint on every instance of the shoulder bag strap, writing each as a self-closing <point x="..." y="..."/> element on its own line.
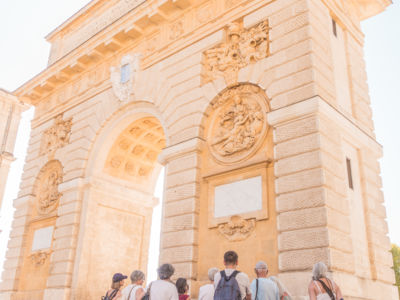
<point x="129" y="296"/>
<point x="327" y="289"/>
<point x="255" y="298"/>
<point x="113" y="294"/>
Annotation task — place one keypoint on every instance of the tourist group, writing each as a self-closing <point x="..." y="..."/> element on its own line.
<point x="228" y="284"/>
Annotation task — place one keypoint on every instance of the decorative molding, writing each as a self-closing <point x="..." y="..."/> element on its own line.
<point x="123" y="89"/>
<point x="47" y="193"/>
<point x="56" y="136"/>
<point x="238" y="123"/>
<point x="38" y="258"/>
<point x="237" y="229"/>
<point x="241" y="48"/>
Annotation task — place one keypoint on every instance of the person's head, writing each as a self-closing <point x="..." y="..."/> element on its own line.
<point x="261" y="269"/>
<point x="319" y="270"/>
<point x="137" y="277"/>
<point x="230" y="259"/>
<point x="182" y="286"/>
<point x="211" y="273"/>
<point x="165" y="271"/>
<point x="118" y="280"/>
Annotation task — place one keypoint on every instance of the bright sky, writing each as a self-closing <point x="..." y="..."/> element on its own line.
<point x="24" y="53"/>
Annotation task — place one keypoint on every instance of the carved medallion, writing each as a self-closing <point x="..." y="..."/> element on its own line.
<point x="39" y="258"/>
<point x="242" y="47"/>
<point x="47" y="193"/>
<point x="238" y="123"/>
<point x="123" y="77"/>
<point x="237" y="229"/>
<point x="56" y="136"/>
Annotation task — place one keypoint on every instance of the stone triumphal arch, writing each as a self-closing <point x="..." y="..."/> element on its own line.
<point x="257" y="110"/>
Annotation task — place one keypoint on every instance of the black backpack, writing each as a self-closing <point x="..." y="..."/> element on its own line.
<point x="111" y="296"/>
<point x="228" y="287"/>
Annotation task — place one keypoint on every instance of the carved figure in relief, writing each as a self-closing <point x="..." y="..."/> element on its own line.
<point x="123" y="77"/>
<point x="39" y="258"/>
<point x="238" y="123"/>
<point x="242" y="47"/>
<point x="48" y="194"/>
<point x="237" y="228"/>
<point x="56" y="136"/>
<point x="239" y="127"/>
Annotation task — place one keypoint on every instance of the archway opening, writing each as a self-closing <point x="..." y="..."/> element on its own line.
<point x="121" y="202"/>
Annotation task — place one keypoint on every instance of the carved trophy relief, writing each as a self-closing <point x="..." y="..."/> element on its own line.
<point x="47" y="193"/>
<point x="241" y="48"/>
<point x="123" y="77"/>
<point x="56" y="136"/>
<point x="38" y="258"/>
<point x="237" y="229"/>
<point x="238" y="123"/>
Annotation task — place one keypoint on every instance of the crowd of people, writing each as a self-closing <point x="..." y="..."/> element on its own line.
<point x="227" y="284"/>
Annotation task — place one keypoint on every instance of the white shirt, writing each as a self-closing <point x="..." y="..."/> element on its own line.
<point x="163" y="290"/>
<point x="241" y="278"/>
<point x="267" y="289"/>
<point x="206" y="292"/>
<point x="127" y="290"/>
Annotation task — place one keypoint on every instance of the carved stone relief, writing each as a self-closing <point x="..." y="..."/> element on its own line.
<point x="56" y="136"/>
<point x="129" y="67"/>
<point x="237" y="229"/>
<point x="47" y="193"/>
<point x="38" y="258"/>
<point x="242" y="47"/>
<point x="238" y="123"/>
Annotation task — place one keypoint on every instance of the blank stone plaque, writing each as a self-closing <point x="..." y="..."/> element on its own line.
<point x="42" y="238"/>
<point x="238" y="197"/>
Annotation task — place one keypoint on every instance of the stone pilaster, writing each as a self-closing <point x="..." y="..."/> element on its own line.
<point x="179" y="231"/>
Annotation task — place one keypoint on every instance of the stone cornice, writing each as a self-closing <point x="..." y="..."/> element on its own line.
<point x="7" y="98"/>
<point x="155" y="29"/>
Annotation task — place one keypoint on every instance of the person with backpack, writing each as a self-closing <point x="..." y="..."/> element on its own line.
<point x="115" y="292"/>
<point x="135" y="290"/>
<point x="263" y="288"/>
<point x="322" y="288"/>
<point x="231" y="284"/>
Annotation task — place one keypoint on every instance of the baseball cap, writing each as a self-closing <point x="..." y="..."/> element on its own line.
<point x="118" y="277"/>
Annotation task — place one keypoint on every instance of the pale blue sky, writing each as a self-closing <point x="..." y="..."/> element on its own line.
<point x="24" y="53"/>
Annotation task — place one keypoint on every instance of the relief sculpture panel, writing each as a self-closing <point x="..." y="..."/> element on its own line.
<point x="238" y="123"/>
<point x="241" y="48"/>
<point x="56" y="136"/>
<point x="47" y="194"/>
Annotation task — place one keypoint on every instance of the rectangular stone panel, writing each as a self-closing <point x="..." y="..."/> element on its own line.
<point x="238" y="197"/>
<point x="42" y="238"/>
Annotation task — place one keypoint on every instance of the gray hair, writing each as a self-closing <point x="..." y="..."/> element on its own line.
<point x="165" y="271"/>
<point x="136" y="276"/>
<point x="212" y="272"/>
<point x="261" y="265"/>
<point x="319" y="270"/>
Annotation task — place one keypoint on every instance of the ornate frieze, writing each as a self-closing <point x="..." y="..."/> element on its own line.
<point x="237" y="229"/>
<point x="38" y="258"/>
<point x="123" y="77"/>
<point x="238" y="123"/>
<point x="47" y="193"/>
<point x="56" y="136"/>
<point x="241" y="48"/>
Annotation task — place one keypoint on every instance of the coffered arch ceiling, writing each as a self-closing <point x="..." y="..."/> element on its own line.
<point x="134" y="154"/>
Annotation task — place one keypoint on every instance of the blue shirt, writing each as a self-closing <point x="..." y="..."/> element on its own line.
<point x="267" y="289"/>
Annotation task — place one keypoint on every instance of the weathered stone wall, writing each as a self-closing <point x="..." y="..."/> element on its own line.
<point x="304" y="154"/>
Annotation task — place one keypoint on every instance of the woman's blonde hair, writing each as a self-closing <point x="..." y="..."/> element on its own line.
<point x="116" y="285"/>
